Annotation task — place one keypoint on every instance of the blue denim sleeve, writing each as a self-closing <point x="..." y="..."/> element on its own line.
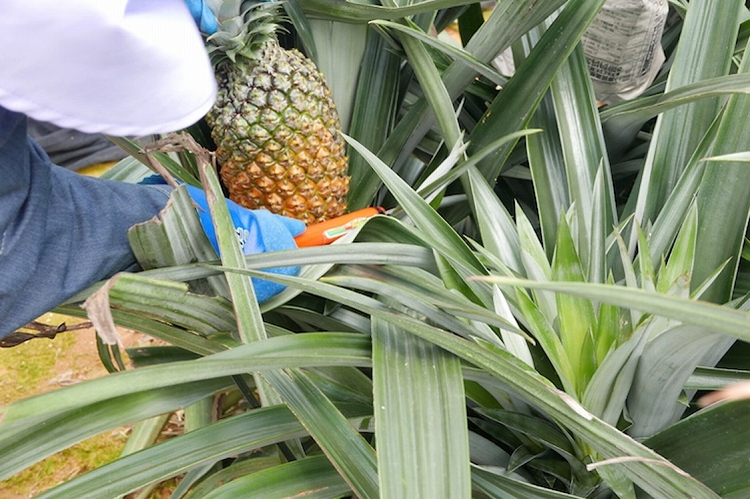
<point x="60" y="232"/>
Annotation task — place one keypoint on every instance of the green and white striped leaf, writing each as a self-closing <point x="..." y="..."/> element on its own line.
<point x="24" y="444"/>
<point x="274" y="353"/>
<point x="711" y="446"/>
<point x="420" y="417"/>
<point x="312" y="478"/>
<point x="518" y="100"/>
<point x="665" y="365"/>
<point x="643" y="467"/>
<point x="496" y="485"/>
<point x="346" y="449"/>
<point x="724" y="201"/>
<point x="243" y="433"/>
<point x="700" y="56"/>
<point x="711" y="316"/>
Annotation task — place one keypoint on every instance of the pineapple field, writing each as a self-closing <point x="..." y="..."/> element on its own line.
<point x="549" y="306"/>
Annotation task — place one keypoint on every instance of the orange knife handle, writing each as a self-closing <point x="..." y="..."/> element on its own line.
<point x="330" y="230"/>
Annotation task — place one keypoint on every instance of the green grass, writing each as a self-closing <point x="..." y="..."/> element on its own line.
<point x="65" y="465"/>
<point x="27" y="369"/>
<point x="33" y="368"/>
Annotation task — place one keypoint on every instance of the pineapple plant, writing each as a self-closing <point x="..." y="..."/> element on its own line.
<point x="396" y="371"/>
<point x="274" y="123"/>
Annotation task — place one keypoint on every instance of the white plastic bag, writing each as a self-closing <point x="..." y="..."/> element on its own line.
<point x="623" y="47"/>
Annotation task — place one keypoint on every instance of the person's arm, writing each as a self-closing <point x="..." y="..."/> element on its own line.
<point x="60" y="232"/>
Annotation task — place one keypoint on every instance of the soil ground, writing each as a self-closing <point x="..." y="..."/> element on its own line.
<point x="42" y="365"/>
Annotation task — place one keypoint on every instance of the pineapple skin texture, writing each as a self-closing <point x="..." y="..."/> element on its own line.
<point x="276" y="127"/>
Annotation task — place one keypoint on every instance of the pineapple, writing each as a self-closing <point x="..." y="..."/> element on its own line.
<point x="274" y="123"/>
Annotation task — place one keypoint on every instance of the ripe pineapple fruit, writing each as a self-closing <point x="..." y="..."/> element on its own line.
<point x="274" y="123"/>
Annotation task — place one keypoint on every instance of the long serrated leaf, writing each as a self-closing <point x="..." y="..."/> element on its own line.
<point x="498" y="486"/>
<point x="340" y="51"/>
<point x="449" y="50"/>
<point x="535" y="263"/>
<point x="715" y="378"/>
<point x="516" y="103"/>
<point x="250" y="325"/>
<point x="547" y="167"/>
<point x="600" y="226"/>
<point x="249" y="321"/>
<point x="144" y="433"/>
<point x="702" y="55"/>
<point x="608" y="389"/>
<point x="375" y="253"/>
<point x="420" y="417"/>
<point x="244" y="433"/>
<point x="433" y="89"/>
<point x="175" y="238"/>
<point x="665" y="364"/>
<point x="631" y="280"/>
<point x="466" y="167"/>
<point x="709" y="315"/>
<point x="128" y="170"/>
<point x="576" y="318"/>
<point x="644" y="467"/>
<point x="740" y="157"/>
<point x="346" y="449"/>
<point x="499" y="235"/>
<point x="535" y="428"/>
<point x="670" y="218"/>
<point x="676" y="275"/>
<point x="311" y="478"/>
<point x="173" y="167"/>
<point x="508" y="21"/>
<point x="372" y="117"/>
<point x="302" y="28"/>
<point x="30" y="443"/>
<point x="348" y="11"/>
<point x="644" y="108"/>
<point x="724" y="201"/>
<point x="513" y="342"/>
<point x="585" y="157"/>
<point x="171" y="302"/>
<point x="429" y="299"/>
<point x="234" y="471"/>
<point x="279" y="352"/>
<point x="436" y="230"/>
<point x="151" y="326"/>
<point x="722" y="443"/>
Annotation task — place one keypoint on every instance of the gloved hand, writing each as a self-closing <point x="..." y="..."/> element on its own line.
<point x="204" y="17"/>
<point x="258" y="231"/>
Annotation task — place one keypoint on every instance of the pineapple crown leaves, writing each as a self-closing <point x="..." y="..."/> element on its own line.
<point x="244" y="26"/>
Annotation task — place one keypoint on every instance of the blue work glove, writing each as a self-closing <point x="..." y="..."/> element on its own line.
<point x="258" y="231"/>
<point x="204" y="17"/>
